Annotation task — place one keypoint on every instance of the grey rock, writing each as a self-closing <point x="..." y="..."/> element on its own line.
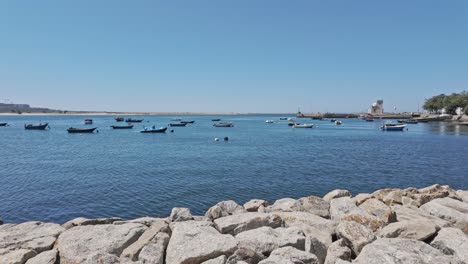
<point x="134" y="249"/>
<point x="399" y="251"/>
<point x="154" y="252"/>
<point x="315" y="205"/>
<point x="463" y="194"/>
<point x="380" y="194"/>
<point x="411" y="229"/>
<point x="179" y="214"/>
<point x="318" y="244"/>
<point x="343" y="206"/>
<point x="365" y="219"/>
<point x="96" y="242"/>
<point x="236" y="224"/>
<point x="18" y="256"/>
<point x="451" y="210"/>
<point x="452" y="241"/>
<point x="254" y="205"/>
<point x="338" y="250"/>
<point x="147" y="221"/>
<point x="218" y="260"/>
<point x="355" y="235"/>
<point x="406" y="212"/>
<point x="336" y="194"/>
<point x="394" y="197"/>
<point x="36" y="236"/>
<point x="290" y="255"/>
<point x="245" y="255"/>
<point x="102" y="258"/>
<point x="224" y="208"/>
<point x="362" y="197"/>
<point x="266" y="239"/>
<point x="85" y="221"/>
<point x="46" y="257"/>
<point x="379" y="209"/>
<point x="197" y="241"/>
<point x="284" y="205"/>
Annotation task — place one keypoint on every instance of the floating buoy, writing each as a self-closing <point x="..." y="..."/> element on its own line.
<point x="172" y="130"/>
<point x="226" y="138"/>
<point x="216" y="139"/>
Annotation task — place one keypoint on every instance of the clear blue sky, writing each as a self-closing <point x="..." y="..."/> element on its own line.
<point x="231" y="56"/>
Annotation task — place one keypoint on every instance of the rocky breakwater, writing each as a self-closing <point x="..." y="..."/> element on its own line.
<point x="427" y="225"/>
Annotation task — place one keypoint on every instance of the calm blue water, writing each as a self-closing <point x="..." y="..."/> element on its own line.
<point x="56" y="176"/>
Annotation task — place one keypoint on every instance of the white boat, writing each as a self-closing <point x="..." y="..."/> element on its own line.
<point x="303" y="125"/>
<point x="393" y="127"/>
<point x="338" y="122"/>
<point x="269" y="121"/>
<point x="88" y="121"/>
<point x="223" y="124"/>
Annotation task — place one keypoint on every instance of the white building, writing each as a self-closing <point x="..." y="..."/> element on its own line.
<point x="376" y="108"/>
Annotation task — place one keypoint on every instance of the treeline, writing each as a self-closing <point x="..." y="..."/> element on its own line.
<point x="448" y="102"/>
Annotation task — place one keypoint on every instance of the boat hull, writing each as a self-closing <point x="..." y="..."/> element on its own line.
<point x="178" y="125"/>
<point x="304" y="126"/>
<point x="187" y="122"/>
<point x="3" y="124"/>
<point x="81" y="130"/>
<point x="134" y="120"/>
<point x="160" y="130"/>
<point x="223" y="125"/>
<point x="36" y="127"/>
<point x="122" y="127"/>
<point x="393" y="128"/>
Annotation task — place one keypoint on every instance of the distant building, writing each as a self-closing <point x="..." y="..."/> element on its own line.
<point x="376" y="108"/>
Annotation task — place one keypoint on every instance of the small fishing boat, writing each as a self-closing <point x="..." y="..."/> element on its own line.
<point x="36" y="126"/>
<point x="269" y="121"/>
<point x="369" y="118"/>
<point x="283" y="118"/>
<point x="187" y="122"/>
<point x="393" y="127"/>
<point x="176" y="119"/>
<point x="303" y="125"/>
<point x="88" y="121"/>
<point x="407" y="121"/>
<point x="216" y="119"/>
<point x="223" y="124"/>
<point x="122" y="127"/>
<point x="153" y="129"/>
<point x="3" y="124"/>
<point x="293" y="123"/>
<point x="332" y="120"/>
<point x="338" y="122"/>
<point x="177" y="124"/>
<point x="119" y="119"/>
<point x="81" y="130"/>
<point x="131" y="120"/>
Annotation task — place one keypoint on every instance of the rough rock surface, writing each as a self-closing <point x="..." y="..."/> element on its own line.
<point x="94" y="242"/>
<point x="400" y="251"/>
<point x="342" y="206"/>
<point x="314" y="205"/>
<point x="463" y="194"/>
<point x="451" y="210"/>
<point x="379" y="209"/>
<point x="290" y="255"/>
<point x="224" y="208"/>
<point x="85" y="221"/>
<point x="336" y="194"/>
<point x="362" y="197"/>
<point x="406" y="212"/>
<point x="18" y="256"/>
<point x="197" y="241"/>
<point x="218" y="260"/>
<point x="134" y="249"/>
<point x="254" y="204"/>
<point x="46" y="257"/>
<point x="236" y="224"/>
<point x="245" y="255"/>
<point x="179" y="214"/>
<point x="266" y="239"/>
<point x="154" y="252"/>
<point x="355" y="235"/>
<point x="452" y="241"/>
<point x="411" y="229"/>
<point x="338" y="250"/>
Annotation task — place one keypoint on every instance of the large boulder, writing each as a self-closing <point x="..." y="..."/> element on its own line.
<point x="336" y="194"/>
<point x="355" y="235"/>
<point x="254" y="204"/>
<point x="399" y="251"/>
<point x="36" y="236"/>
<point x="236" y="224"/>
<point x="451" y="210"/>
<point x="153" y="252"/>
<point x="18" y="256"/>
<point x="314" y="205"/>
<point x="411" y="229"/>
<point x="452" y="241"/>
<point x="96" y="242"/>
<point x="368" y="220"/>
<point x="407" y="212"/>
<point x="245" y="255"/>
<point x="284" y="205"/>
<point x="224" y="208"/>
<point x="379" y="209"/>
<point x="179" y="214"/>
<point x="85" y="221"/>
<point x="340" y="207"/>
<point x="362" y="197"/>
<point x="290" y="255"/>
<point x="197" y="241"/>
<point x="134" y="249"/>
<point x="463" y="194"/>
<point x="266" y="239"/>
<point x="46" y="257"/>
<point x="338" y="250"/>
<point x="432" y="192"/>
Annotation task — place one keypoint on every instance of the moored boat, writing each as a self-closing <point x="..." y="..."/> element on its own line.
<point x="131" y="120"/>
<point x="153" y="129"/>
<point x="303" y="125"/>
<point x="36" y="126"/>
<point x="119" y="119"/>
<point x="122" y="127"/>
<point x="332" y="120"/>
<point x="393" y="127"/>
<point x="3" y="124"/>
<point x="81" y="130"/>
<point x="176" y="119"/>
<point x="293" y="123"/>
<point x="216" y="119"/>
<point x="269" y="121"/>
<point x="407" y="121"/>
<point x="338" y="122"/>
<point x="177" y="124"/>
<point x="88" y="121"/>
<point x="283" y="118"/>
<point x="223" y="124"/>
<point x="187" y="122"/>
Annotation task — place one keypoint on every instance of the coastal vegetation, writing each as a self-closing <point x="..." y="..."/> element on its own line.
<point x="449" y="103"/>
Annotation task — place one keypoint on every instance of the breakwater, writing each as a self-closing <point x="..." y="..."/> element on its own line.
<point x="426" y="225"/>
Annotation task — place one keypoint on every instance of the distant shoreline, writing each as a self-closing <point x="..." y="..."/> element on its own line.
<point x="71" y="113"/>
